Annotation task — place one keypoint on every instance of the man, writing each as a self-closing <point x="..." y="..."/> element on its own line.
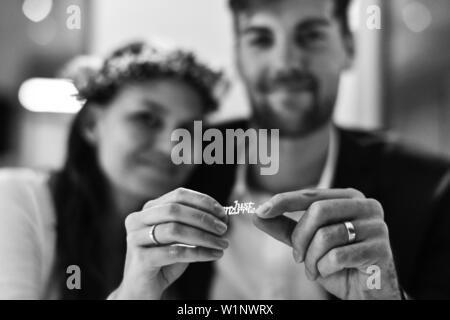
<point x="344" y="204"/>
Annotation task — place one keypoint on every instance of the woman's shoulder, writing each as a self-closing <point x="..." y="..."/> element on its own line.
<point x="27" y="234"/>
<point x="24" y="188"/>
<point x="22" y="180"/>
<point x="21" y="174"/>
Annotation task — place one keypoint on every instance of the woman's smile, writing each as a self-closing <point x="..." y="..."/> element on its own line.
<point x="161" y="165"/>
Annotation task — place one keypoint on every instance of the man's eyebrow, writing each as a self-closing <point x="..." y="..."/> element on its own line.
<point x="305" y="24"/>
<point x="254" y="29"/>
<point x="313" y="23"/>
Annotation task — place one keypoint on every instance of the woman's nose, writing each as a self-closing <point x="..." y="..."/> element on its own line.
<point x="163" y="143"/>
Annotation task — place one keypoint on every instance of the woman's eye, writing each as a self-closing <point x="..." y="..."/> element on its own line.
<point x="147" y="119"/>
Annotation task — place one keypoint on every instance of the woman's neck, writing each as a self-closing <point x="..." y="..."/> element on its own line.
<point x="301" y="162"/>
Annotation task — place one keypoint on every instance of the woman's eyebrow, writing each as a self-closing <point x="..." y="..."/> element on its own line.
<point x="155" y="106"/>
<point x="189" y="124"/>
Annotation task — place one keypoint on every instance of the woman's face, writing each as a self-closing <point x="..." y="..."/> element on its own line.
<point x="133" y="136"/>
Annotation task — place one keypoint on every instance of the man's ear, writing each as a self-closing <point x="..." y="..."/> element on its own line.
<point x="238" y="59"/>
<point x="238" y="63"/>
<point x="349" y="46"/>
<point x="90" y="123"/>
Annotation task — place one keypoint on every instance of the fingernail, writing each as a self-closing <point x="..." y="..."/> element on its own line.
<point x="312" y="276"/>
<point x="308" y="275"/>
<point x="220" y="226"/>
<point x="217" y="253"/>
<point x="297" y="256"/>
<point x="220" y="210"/>
<point x="310" y="193"/>
<point x="264" y="209"/>
<point x="223" y="243"/>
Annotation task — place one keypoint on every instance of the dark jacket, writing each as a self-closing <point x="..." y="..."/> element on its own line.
<point x="412" y="186"/>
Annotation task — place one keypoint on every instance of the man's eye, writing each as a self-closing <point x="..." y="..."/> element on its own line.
<point x="311" y="38"/>
<point x="261" y="41"/>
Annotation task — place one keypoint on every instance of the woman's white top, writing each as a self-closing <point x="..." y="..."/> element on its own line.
<point x="27" y="236"/>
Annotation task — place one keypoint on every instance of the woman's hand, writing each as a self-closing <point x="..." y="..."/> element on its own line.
<point x="179" y="217"/>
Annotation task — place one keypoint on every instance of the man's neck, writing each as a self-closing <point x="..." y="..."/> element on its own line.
<point x="301" y="163"/>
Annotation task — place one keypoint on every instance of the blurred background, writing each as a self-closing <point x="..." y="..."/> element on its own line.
<point x="400" y="80"/>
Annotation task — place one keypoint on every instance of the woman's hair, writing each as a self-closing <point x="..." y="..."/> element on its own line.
<point x="80" y="190"/>
<point x="140" y="62"/>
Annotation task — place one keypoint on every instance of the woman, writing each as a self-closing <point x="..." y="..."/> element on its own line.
<point x="109" y="216"/>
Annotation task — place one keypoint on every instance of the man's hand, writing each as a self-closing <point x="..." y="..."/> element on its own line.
<point x="321" y="240"/>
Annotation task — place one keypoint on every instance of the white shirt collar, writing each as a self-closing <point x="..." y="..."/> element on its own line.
<point x="257" y="266"/>
<point x="326" y="178"/>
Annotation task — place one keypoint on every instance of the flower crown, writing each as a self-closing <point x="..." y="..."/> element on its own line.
<point x="140" y="62"/>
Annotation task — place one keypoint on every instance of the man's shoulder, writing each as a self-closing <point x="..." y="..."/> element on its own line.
<point x="395" y="153"/>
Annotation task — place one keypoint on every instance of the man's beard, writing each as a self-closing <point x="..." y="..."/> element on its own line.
<point x="286" y="113"/>
<point x="315" y="116"/>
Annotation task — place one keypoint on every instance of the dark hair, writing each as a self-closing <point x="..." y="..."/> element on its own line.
<point x="80" y="190"/>
<point x="7" y="117"/>
<point x="341" y="10"/>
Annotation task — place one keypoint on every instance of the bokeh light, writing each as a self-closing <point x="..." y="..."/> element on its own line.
<point x="37" y="10"/>
<point x="417" y="16"/>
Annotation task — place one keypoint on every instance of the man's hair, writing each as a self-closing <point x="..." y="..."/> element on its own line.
<point x="340" y="10"/>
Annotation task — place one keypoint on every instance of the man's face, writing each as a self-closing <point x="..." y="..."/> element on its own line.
<point x="290" y="55"/>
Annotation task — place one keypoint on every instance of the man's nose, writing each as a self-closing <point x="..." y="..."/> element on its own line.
<point x="288" y="57"/>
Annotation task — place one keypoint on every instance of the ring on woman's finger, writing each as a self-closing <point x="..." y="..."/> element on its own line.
<point x="151" y="234"/>
<point x="351" y="232"/>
